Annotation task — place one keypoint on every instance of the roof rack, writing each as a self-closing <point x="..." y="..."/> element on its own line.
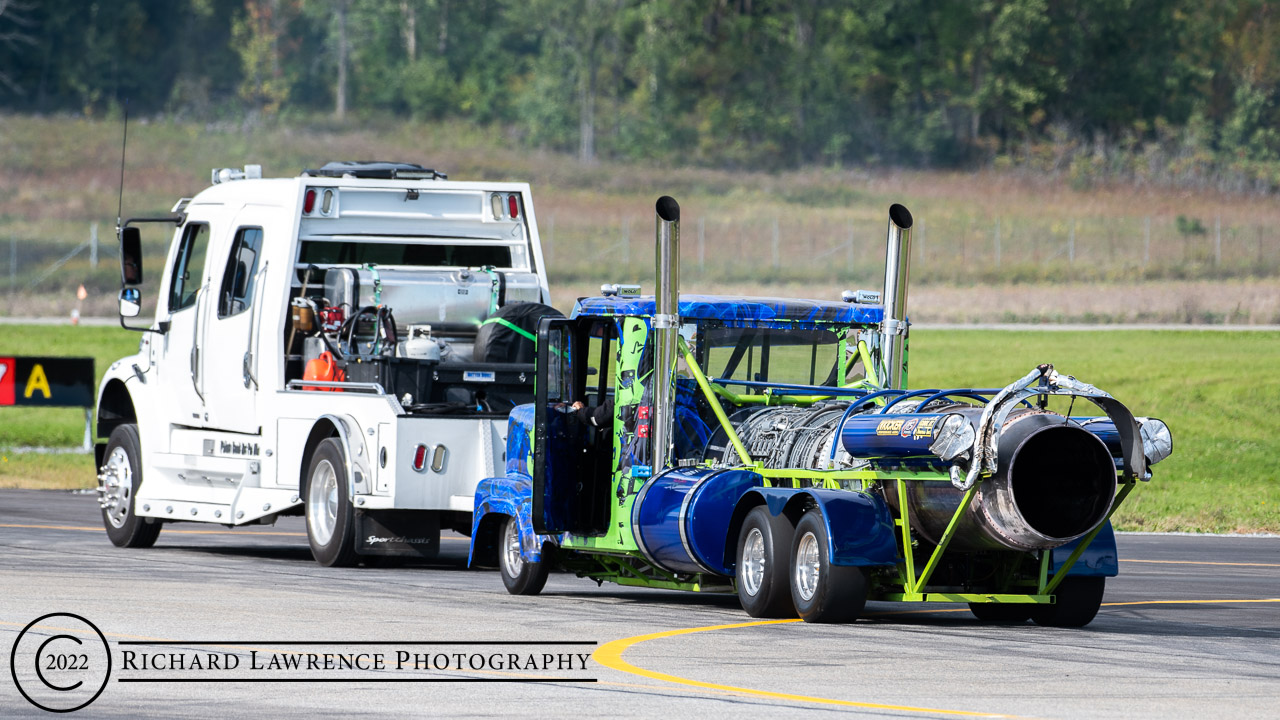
<point x="376" y="170"/>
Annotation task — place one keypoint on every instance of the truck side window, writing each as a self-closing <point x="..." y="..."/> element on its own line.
<point x="237" y="279"/>
<point x="560" y="372"/>
<point x="188" y="268"/>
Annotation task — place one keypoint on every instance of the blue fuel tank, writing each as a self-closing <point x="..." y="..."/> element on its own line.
<point x="898" y="436"/>
<point x="681" y="517"/>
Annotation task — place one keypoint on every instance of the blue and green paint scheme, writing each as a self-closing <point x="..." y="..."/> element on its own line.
<point x="677" y="527"/>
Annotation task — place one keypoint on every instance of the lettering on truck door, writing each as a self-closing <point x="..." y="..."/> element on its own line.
<point x="232" y="317"/>
<point x="179" y="362"/>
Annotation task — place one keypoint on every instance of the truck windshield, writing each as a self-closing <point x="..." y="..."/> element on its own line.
<point x="404" y="253"/>
<point x="802" y="357"/>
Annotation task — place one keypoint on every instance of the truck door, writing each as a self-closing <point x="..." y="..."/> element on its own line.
<point x="558" y="443"/>
<point x="179" y="354"/>
<point x="232" y="317"/>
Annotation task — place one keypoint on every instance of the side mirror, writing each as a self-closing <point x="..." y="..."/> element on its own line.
<point x="130" y="258"/>
<point x="130" y="302"/>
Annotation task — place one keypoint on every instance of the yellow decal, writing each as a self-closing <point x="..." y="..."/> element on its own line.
<point x="925" y="428"/>
<point x="889" y="427"/>
<point x="37" y="381"/>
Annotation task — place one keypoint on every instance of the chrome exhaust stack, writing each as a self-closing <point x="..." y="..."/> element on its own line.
<point x="666" y="328"/>
<point x="893" y="326"/>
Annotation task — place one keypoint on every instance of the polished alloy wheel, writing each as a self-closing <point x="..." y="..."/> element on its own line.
<point x="753" y="562"/>
<point x="808" y="559"/>
<point x="513" y="561"/>
<point x="115" y="487"/>
<point x="322" y="503"/>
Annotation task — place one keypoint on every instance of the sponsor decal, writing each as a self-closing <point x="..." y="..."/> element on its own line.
<point x="889" y="427"/>
<point x="924" y="430"/>
<point x="909" y="426"/>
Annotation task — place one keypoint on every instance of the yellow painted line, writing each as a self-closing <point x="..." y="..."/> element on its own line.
<point x="1199" y="562"/>
<point x="610" y="655"/>
<point x="1192" y="602"/>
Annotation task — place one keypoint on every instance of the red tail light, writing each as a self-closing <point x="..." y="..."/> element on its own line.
<point x="513" y="204"/>
<point x="420" y="458"/>
<point x="309" y="202"/>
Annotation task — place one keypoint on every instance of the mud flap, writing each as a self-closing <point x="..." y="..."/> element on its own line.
<point x="398" y="533"/>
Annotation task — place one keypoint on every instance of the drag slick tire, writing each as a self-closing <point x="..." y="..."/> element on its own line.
<point x="822" y="592"/>
<point x="119" y="480"/>
<point x="763" y="565"/>
<point x="1001" y="612"/>
<point x="1078" y="599"/>
<point x="330" y="517"/>
<point x="520" y="576"/>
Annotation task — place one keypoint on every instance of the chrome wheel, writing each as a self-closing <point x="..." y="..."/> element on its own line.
<point x="115" y="487"/>
<point x="753" y="562"/>
<point x="808" y="561"/>
<point x="512" y="561"/>
<point x="322" y="502"/>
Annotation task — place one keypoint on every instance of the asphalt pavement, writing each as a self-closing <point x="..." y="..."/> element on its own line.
<point x="1190" y="629"/>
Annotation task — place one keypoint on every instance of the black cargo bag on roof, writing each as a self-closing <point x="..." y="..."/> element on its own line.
<point x="508" y="336"/>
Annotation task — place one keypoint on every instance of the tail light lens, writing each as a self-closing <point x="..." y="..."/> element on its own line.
<point x="513" y="204"/>
<point x="309" y="201"/>
<point x="420" y="458"/>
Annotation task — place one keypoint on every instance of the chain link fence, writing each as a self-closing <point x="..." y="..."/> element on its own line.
<point x="41" y="277"/>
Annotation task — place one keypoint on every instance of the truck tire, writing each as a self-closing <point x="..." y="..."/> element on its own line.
<point x="119" y="480"/>
<point x="1078" y="599"/>
<point x="520" y="576"/>
<point x="762" y="568"/>
<point x="822" y="592"/>
<point x="330" y="518"/>
<point x="1001" y="612"/>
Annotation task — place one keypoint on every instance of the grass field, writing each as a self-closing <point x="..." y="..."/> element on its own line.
<point x="1219" y="393"/>
<point x="822" y="228"/>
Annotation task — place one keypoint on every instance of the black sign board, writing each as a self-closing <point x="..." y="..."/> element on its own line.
<point x="46" y="381"/>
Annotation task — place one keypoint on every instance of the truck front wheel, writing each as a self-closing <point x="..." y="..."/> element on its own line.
<point x="330" y="518"/>
<point x="761" y="573"/>
<point x="520" y="576"/>
<point x="822" y="592"/>
<point x="119" y="480"/>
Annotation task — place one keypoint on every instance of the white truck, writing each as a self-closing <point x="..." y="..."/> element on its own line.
<point x="344" y="345"/>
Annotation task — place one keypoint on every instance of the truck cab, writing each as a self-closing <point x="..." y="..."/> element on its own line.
<point x="344" y="345"/>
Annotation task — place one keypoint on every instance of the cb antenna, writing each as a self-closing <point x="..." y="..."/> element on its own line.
<point x="123" y="144"/>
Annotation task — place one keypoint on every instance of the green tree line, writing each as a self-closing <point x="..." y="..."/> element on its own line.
<point x="1153" y="90"/>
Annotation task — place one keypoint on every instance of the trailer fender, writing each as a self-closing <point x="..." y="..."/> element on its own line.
<point x="859" y="526"/>
<point x="1100" y="559"/>
<point x="498" y="498"/>
<point x="344" y="427"/>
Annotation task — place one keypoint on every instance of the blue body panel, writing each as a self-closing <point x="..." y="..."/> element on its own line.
<point x="1101" y="558"/>
<point x="510" y="495"/>
<point x="740" y="311"/>
<point x="681" y="518"/>
<point x="520" y="440"/>
<point x="859" y="526"/>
